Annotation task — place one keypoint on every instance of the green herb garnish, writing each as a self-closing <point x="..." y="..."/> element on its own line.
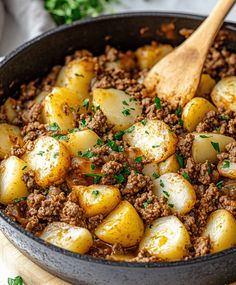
<point x="146" y="203"/>
<point x="181" y="122"/>
<point x="96" y="177"/>
<point x="226" y="164"/>
<point x="219" y="184"/>
<point x="144" y="121"/>
<point x="204" y="136"/>
<point x="171" y="205"/>
<point x="155" y="175"/>
<point x="162" y="183"/>
<point x="138" y="159"/>
<point x="216" y="146"/>
<point x="126" y="112"/>
<point x="209" y="168"/>
<point x="40" y="153"/>
<point x="92" y="166"/>
<point x="157" y="101"/>
<point x="155" y="146"/>
<point x="15" y="281"/>
<point x="88" y="153"/>
<point x="23" y="168"/>
<point x="99" y="142"/>
<point x="95" y="193"/>
<point x="186" y="176"/>
<point x="166" y="194"/>
<point x="178" y="112"/>
<point x="55" y="154"/>
<point x="114" y="146"/>
<point x="53" y="127"/>
<point x="74" y="130"/>
<point x="19" y="199"/>
<point x="119" y="178"/>
<point x="61" y="137"/>
<point x="85" y="103"/>
<point x="180" y="160"/>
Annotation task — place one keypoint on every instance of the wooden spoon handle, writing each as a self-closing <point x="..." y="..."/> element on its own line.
<point x="204" y="36"/>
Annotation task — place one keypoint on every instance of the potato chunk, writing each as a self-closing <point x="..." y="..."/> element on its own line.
<point x="77" y="76"/>
<point x="227" y="168"/>
<point x="41" y="96"/>
<point x="154" y="139"/>
<point x="166" y="238"/>
<point x="58" y="106"/>
<point x="49" y="159"/>
<point x="80" y="141"/>
<point x="152" y="170"/>
<point x="205" y="86"/>
<point x="206" y="146"/>
<point x="97" y="199"/>
<point x="123" y="225"/>
<point x="11" y="184"/>
<point x="194" y="111"/>
<point x="221" y="228"/>
<point x="8" y="109"/>
<point x="148" y="55"/>
<point x="119" y="107"/>
<point x="69" y="237"/>
<point x="178" y="192"/>
<point x="10" y="136"/>
<point x="224" y="93"/>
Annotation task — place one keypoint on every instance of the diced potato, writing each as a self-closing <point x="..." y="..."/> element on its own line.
<point x="227" y="168"/>
<point x="8" y="109"/>
<point x="119" y="107"/>
<point x="224" y="93"/>
<point x="194" y="112"/>
<point x="69" y="237"/>
<point x="39" y="98"/>
<point x="49" y="159"/>
<point x="58" y="106"/>
<point x="221" y="228"/>
<point x="77" y="76"/>
<point x="169" y="165"/>
<point x="123" y="225"/>
<point x="205" y="86"/>
<point x="97" y="199"/>
<point x="179" y="193"/>
<point x="10" y="136"/>
<point x="155" y="139"/>
<point x="205" y="146"/>
<point x="131" y="153"/>
<point x="11" y="184"/>
<point x="152" y="170"/>
<point x="85" y="166"/>
<point x="80" y="141"/>
<point x="166" y="238"/>
<point x="148" y="55"/>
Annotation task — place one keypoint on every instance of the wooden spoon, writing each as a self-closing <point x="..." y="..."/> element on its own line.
<point x="176" y="77"/>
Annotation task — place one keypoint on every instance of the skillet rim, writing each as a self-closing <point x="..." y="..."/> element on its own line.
<point x="86" y="258"/>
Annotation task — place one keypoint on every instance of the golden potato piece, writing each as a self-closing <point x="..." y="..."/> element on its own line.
<point x="58" y="108"/>
<point x="69" y="237"/>
<point x="179" y="193"/>
<point x="49" y="159"/>
<point x="152" y="170"/>
<point x="169" y="165"/>
<point x="166" y="238"/>
<point x="155" y="139"/>
<point x="8" y="109"/>
<point x="77" y="76"/>
<point x="227" y="168"/>
<point x="80" y="141"/>
<point x="41" y="96"/>
<point x="10" y="136"/>
<point x="221" y="229"/>
<point x="119" y="107"/>
<point x="148" y="55"/>
<point x="194" y="112"/>
<point x="205" y="86"/>
<point x="98" y="199"/>
<point x="206" y="146"/>
<point x="224" y="93"/>
<point x="11" y="184"/>
<point x="123" y="225"/>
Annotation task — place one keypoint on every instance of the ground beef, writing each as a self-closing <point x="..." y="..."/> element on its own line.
<point x="137" y="182"/>
<point x="94" y="221"/>
<point x="72" y="214"/>
<point x="184" y="146"/>
<point x="28" y="178"/>
<point x="99" y="123"/>
<point x="151" y="208"/>
<point x="229" y="153"/>
<point x="145" y="256"/>
<point x="228" y="203"/>
<point x="202" y="246"/>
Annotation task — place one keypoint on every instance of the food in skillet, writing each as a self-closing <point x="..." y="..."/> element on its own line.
<point x="93" y="164"/>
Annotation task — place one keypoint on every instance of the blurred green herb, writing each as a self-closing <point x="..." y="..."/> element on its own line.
<point x="15" y="281"/>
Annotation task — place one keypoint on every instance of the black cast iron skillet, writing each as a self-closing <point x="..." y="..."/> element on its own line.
<point x="33" y="60"/>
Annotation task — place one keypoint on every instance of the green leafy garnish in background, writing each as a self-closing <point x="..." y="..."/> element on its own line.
<point x="68" y="11"/>
<point x="16" y="281"/>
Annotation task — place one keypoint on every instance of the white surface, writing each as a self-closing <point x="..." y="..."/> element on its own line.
<point x="14" y="34"/>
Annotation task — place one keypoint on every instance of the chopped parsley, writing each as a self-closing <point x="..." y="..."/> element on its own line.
<point x="119" y="135"/>
<point x="178" y="112"/>
<point x="55" y="154"/>
<point x="181" y="122"/>
<point x="61" y="137"/>
<point x="53" y="127"/>
<point x="114" y="146"/>
<point x="99" y="142"/>
<point x="217" y="128"/>
<point x="19" y="199"/>
<point x="146" y="132"/>
<point x="144" y="121"/>
<point x="186" y="176"/>
<point x="157" y="101"/>
<point x="41" y="152"/>
<point x="129" y="130"/>
<point x="171" y="205"/>
<point x="74" y="130"/>
<point x="83" y="123"/>
<point x="95" y="193"/>
<point x="219" y="184"/>
<point x="162" y="183"/>
<point x="126" y="112"/>
<point x="180" y="160"/>
<point x="125" y="103"/>
<point x="209" y="168"/>
<point x="23" y="168"/>
<point x="155" y="175"/>
<point x="119" y="178"/>
<point x="126" y="170"/>
<point x="223" y="117"/>
<point x="216" y="146"/>
<point x="165" y="193"/>
<point x="85" y="103"/>
<point x="88" y="153"/>
<point x="150" y="226"/>
<point x="96" y="177"/>
<point x="15" y="281"/>
<point x="204" y="136"/>
<point x="155" y="146"/>
<point x="79" y="75"/>
<point x="226" y="164"/>
<point x="146" y="203"/>
<point x="138" y="159"/>
<point x="92" y="166"/>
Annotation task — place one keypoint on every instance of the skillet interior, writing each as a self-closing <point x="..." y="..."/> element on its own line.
<point x="33" y="60"/>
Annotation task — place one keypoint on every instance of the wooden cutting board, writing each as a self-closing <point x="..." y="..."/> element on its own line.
<point x="31" y="273"/>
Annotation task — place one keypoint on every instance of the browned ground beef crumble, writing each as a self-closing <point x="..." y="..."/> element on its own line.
<point x="57" y="203"/>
